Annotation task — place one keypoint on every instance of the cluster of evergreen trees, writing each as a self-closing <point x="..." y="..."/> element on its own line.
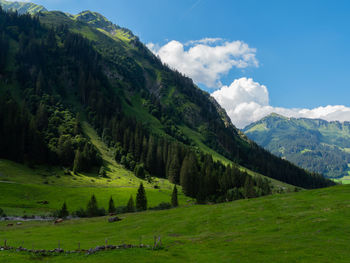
<point x="93" y="210"/>
<point x="38" y="128"/>
<point x="200" y="176"/>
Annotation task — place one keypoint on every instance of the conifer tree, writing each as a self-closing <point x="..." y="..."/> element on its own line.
<point x="174" y="169"/>
<point x="130" y="207"/>
<point x="249" y="191"/>
<point x="92" y="208"/>
<point x="151" y="155"/>
<point x="140" y="171"/>
<point x="111" y="206"/>
<point x="141" y="200"/>
<point x="189" y="174"/>
<point x="63" y="213"/>
<point x="174" y="201"/>
<point x="77" y="165"/>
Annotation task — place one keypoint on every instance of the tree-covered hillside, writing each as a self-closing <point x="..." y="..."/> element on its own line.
<point x="57" y="70"/>
<point x="316" y="145"/>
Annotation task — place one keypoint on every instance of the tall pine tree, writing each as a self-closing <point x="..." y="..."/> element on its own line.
<point x="111" y="206"/>
<point x="189" y="175"/>
<point x="174" y="201"/>
<point x="92" y="208"/>
<point x="130" y="207"/>
<point x="141" y="200"/>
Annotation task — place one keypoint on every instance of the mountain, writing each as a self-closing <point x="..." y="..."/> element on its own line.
<point x="62" y="73"/>
<point x="22" y="7"/>
<point x="316" y="145"/>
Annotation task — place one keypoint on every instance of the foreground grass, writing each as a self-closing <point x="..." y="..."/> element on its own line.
<point x="309" y="226"/>
<point x="23" y="188"/>
<point x="24" y="199"/>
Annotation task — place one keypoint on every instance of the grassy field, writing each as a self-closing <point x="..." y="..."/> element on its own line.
<point x="343" y="180"/>
<point x="308" y="226"/>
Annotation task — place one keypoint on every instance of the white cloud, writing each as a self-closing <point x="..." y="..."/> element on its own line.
<point x="247" y="101"/>
<point x="206" y="60"/>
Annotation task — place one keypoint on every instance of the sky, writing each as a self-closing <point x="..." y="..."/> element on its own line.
<point x="255" y="57"/>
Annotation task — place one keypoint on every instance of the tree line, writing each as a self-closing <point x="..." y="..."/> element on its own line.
<point x="140" y="204"/>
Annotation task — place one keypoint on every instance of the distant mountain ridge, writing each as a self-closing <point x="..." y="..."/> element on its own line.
<point x="314" y="144"/>
<point x="22" y="7"/>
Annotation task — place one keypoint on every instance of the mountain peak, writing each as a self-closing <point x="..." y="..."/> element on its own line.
<point x="99" y="21"/>
<point x="22" y="7"/>
<point x="274" y="114"/>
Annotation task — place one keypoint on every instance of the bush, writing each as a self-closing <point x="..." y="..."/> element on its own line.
<point x="161" y="206"/>
<point x="102" y="172"/>
<point x="130" y="207"/>
<point x="140" y="171"/>
<point x="80" y="213"/>
<point x="2" y="213"/>
<point x="63" y="212"/>
<point x="234" y="194"/>
<point x="121" y="210"/>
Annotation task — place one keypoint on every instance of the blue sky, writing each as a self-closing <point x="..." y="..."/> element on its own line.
<point x="302" y="47"/>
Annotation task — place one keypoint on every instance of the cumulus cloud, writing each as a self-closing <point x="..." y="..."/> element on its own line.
<point x="247" y="101"/>
<point x="206" y="60"/>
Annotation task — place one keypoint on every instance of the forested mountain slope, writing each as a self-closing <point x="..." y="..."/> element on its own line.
<point x="316" y="145"/>
<point x="57" y="70"/>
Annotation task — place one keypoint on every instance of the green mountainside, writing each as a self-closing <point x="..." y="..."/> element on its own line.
<point x="22" y="7"/>
<point x="316" y="145"/>
<point x="63" y="75"/>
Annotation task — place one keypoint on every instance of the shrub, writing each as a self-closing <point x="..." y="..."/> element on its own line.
<point x="161" y="206"/>
<point x="61" y="213"/>
<point x="2" y="213"/>
<point x="80" y="213"/>
<point x="130" y="207"/>
<point x="140" y="171"/>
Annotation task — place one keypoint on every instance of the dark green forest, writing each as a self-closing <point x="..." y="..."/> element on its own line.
<point x="52" y="79"/>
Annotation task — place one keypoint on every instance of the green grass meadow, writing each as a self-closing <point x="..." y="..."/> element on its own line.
<point x="308" y="226"/>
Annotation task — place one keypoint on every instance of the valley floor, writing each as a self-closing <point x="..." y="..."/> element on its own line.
<point x="308" y="226"/>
